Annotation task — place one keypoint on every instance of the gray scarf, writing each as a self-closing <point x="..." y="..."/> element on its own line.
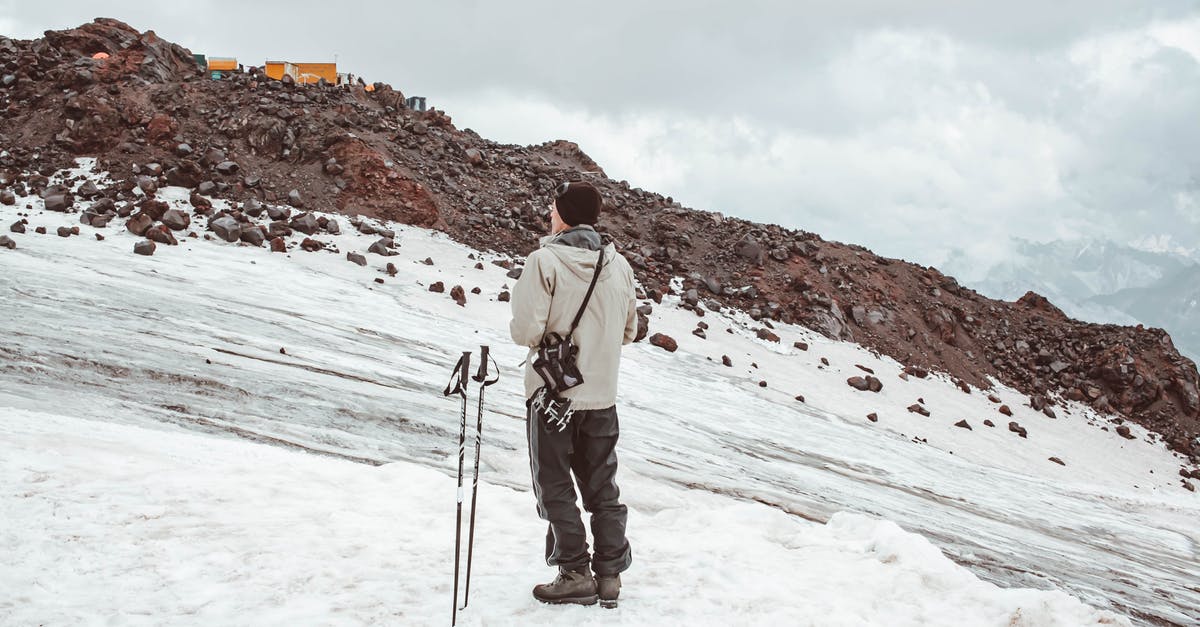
<point x="582" y="236"/>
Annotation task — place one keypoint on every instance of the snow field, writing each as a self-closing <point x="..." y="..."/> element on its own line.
<point x="189" y="340"/>
<point x="127" y="525"/>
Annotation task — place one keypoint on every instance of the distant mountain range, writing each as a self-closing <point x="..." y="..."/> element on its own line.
<point x="1099" y="281"/>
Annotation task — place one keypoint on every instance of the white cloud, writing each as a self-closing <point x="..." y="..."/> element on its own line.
<point x="913" y="129"/>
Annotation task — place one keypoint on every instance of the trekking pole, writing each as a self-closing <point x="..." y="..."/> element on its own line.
<point x="458" y="385"/>
<point x="481" y="377"/>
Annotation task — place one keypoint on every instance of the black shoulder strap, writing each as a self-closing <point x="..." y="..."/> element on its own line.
<point x="588" y="296"/>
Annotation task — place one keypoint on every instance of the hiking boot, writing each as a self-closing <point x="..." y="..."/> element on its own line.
<point x="570" y="586"/>
<point x="608" y="588"/>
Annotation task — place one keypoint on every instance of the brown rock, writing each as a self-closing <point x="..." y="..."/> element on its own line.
<point x="139" y="223"/>
<point x="858" y="383"/>
<point x="459" y="297"/>
<point x="176" y="220"/>
<point x="437" y="287"/>
<point x="252" y="234"/>
<point x="59" y="202"/>
<point x="383" y="247"/>
<point x="306" y="223"/>
<point x="1018" y="429"/>
<point x="161" y="234"/>
<point x="917" y="408"/>
<point x="144" y="247"/>
<point x="64" y="231"/>
<point x="1005" y="410"/>
<point x="726" y="361"/>
<point x="311" y="245"/>
<point x="766" y="334"/>
<point x="1057" y="461"/>
<point x="1123" y="431"/>
<point x="278" y="245"/>
<point x="7" y="242"/>
<point x="664" y="342"/>
<point x="873" y="417"/>
<point x="201" y="203"/>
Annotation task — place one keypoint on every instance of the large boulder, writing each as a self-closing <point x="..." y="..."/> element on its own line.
<point x="858" y="383"/>
<point x="253" y="207"/>
<point x="139" y="223"/>
<point x="148" y="185"/>
<point x="252" y="235"/>
<point x="226" y="228"/>
<point x="161" y="234"/>
<point x="750" y="250"/>
<point x="382" y="246"/>
<point x="176" y="220"/>
<point x="186" y="174"/>
<point x="664" y="342"/>
<point x="306" y="223"/>
<point x="59" y="202"/>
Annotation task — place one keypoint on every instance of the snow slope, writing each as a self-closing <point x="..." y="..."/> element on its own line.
<point x="100" y="343"/>
<point x="129" y="524"/>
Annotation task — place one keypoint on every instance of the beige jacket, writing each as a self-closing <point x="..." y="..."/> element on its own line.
<point x="548" y="295"/>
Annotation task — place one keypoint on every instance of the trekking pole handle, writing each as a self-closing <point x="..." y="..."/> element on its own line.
<point x="458" y="376"/>
<point x="481" y="374"/>
<point x="465" y="372"/>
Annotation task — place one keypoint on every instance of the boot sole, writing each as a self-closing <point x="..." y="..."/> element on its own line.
<point x="608" y="604"/>
<point x="588" y="600"/>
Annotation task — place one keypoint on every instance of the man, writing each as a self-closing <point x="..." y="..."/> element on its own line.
<point x="545" y="300"/>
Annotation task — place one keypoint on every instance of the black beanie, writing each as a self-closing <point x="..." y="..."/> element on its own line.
<point x="580" y="204"/>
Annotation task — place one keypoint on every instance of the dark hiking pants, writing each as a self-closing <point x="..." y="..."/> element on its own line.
<point x="587" y="448"/>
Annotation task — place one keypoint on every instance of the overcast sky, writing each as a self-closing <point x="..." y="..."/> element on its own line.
<point x="910" y="127"/>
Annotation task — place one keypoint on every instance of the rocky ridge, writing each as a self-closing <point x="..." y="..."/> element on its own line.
<point x="275" y="149"/>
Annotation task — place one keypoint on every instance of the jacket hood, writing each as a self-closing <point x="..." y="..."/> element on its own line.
<point x="578" y="249"/>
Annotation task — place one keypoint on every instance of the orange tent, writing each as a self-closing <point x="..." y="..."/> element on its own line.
<point x="100" y="55"/>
